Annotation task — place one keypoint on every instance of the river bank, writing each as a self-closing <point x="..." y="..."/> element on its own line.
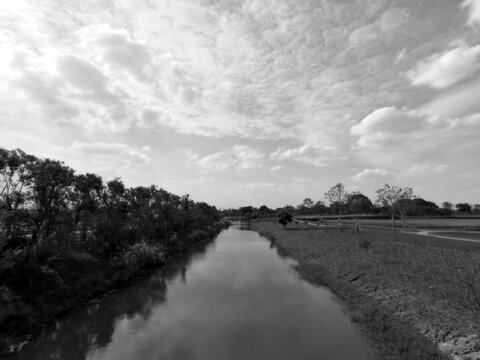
<point x="81" y="279"/>
<point x="415" y="300"/>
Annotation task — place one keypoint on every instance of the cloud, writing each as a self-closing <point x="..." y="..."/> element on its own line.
<point x="118" y="50"/>
<point x="368" y="174"/>
<point x="474" y="8"/>
<point x="386" y="124"/>
<point x="459" y="101"/>
<point x="442" y="70"/>
<point x="389" y="137"/>
<point x="111" y="155"/>
<point x="276" y="168"/>
<point x="307" y="153"/>
<point x="240" y="157"/>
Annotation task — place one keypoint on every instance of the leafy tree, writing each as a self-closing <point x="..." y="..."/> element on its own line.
<point x="358" y="203"/>
<point x="246" y="212"/>
<point x="15" y="179"/>
<point x="307" y="202"/>
<point x="463" y="207"/>
<point x="51" y="184"/>
<point x="319" y="208"/>
<point x="337" y="196"/>
<point x="395" y="199"/>
<point x="447" y="208"/>
<point x="404" y="203"/>
<point x="284" y="218"/>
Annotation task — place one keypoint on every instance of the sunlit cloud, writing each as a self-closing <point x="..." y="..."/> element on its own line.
<point x="239" y="157"/>
<point x="445" y="69"/>
<point x="253" y="92"/>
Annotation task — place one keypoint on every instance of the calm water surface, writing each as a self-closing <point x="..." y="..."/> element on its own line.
<point x="232" y="299"/>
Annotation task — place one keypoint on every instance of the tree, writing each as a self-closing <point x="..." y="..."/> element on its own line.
<point x="463" y="207"/>
<point x="358" y="203"/>
<point x="337" y="196"/>
<point x="404" y="203"/>
<point x="307" y="202"/>
<point x="447" y="208"/>
<point x="395" y="198"/>
<point x="50" y="195"/>
<point x="284" y="218"/>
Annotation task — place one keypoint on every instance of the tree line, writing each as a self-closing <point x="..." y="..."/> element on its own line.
<point x="392" y="201"/>
<point x="67" y="236"/>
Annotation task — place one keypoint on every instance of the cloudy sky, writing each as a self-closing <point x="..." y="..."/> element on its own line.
<point x="249" y="102"/>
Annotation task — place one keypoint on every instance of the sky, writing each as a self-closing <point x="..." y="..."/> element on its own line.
<point x="249" y="102"/>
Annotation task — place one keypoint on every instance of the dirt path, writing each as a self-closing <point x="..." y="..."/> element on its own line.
<point x="431" y="233"/>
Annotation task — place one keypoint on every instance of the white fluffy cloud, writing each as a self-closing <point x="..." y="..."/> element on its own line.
<point x="307" y="153"/>
<point x="368" y="174"/>
<point x="104" y="154"/>
<point x="386" y="126"/>
<point x="414" y="138"/>
<point x="240" y="157"/>
<point x="442" y="70"/>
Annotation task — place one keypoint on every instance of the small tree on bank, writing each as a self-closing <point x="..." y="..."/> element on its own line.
<point x="338" y="196"/>
<point x="284" y="218"/>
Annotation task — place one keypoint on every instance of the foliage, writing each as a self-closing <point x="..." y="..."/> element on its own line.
<point x="284" y="218"/>
<point x="57" y="227"/>
<point x="395" y="199"/>
<point x="337" y="196"/>
<point x="463" y="207"/>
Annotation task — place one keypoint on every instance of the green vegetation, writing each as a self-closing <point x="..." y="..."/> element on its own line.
<point x="406" y="290"/>
<point x="66" y="238"/>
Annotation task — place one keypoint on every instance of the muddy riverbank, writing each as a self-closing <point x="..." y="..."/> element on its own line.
<point x="415" y="300"/>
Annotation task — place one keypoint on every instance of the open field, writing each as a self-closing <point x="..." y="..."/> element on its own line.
<point x="428" y="285"/>
<point x="413" y="223"/>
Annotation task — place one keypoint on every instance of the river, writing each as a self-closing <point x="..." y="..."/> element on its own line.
<point x="234" y="298"/>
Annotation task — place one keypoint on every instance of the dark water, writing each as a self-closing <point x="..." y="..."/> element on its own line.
<point x="232" y="299"/>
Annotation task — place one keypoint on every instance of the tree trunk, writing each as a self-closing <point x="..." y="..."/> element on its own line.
<point x="393" y="221"/>
<point x="404" y="224"/>
<point x="356" y="224"/>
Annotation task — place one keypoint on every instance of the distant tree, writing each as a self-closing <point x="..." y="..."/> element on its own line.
<point x="404" y="204"/>
<point x="319" y="208"/>
<point x="307" y="202"/>
<point x="447" y="205"/>
<point x="337" y="196"/>
<point x="358" y="203"/>
<point x="264" y="210"/>
<point x="463" y="207"/>
<point x="246" y="212"/>
<point x="447" y="208"/>
<point x="476" y="208"/>
<point x="284" y="218"/>
<point x="395" y="199"/>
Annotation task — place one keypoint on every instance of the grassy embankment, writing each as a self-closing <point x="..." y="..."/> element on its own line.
<point x="72" y="277"/>
<point x="413" y="294"/>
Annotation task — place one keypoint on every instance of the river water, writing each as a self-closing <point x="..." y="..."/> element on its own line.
<point x="234" y="298"/>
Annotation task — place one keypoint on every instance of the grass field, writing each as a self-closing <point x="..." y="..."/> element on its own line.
<point x="413" y="223"/>
<point x="428" y="283"/>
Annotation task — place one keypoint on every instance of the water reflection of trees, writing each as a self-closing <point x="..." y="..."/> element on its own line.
<point x="74" y="335"/>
